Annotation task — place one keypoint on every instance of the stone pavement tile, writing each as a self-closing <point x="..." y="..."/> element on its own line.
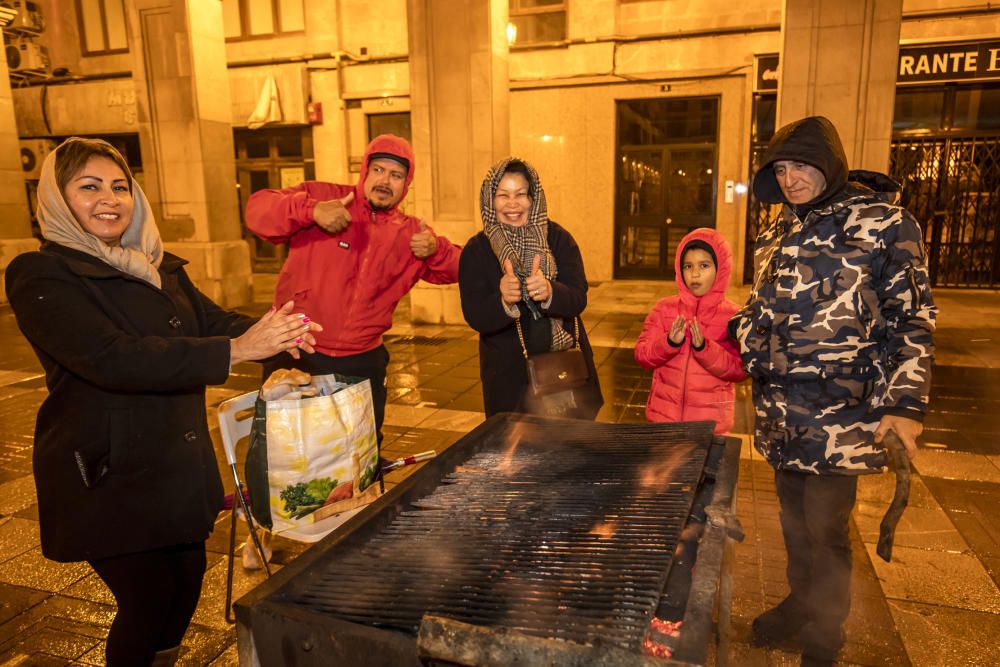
<point x="227" y="658"/>
<point x="34" y="659"/>
<point x="12" y="377"/>
<point x="94" y="656"/>
<point x="956" y="465"/>
<point x="936" y="577"/>
<point x="33" y="570"/>
<point x="90" y="588"/>
<point x="211" y="606"/>
<point x="406" y="415"/>
<point x="17" y="536"/>
<point x="972" y="507"/>
<point x="15" y="600"/>
<point x="18" y="409"/>
<point x="470" y="401"/>
<point x="936" y="635"/>
<point x="56" y="642"/>
<point x="453" y="420"/>
<point x="430" y="398"/>
<point x="920" y="527"/>
<point x="17" y="494"/>
<point x="879" y="489"/>
<point x="68" y="614"/>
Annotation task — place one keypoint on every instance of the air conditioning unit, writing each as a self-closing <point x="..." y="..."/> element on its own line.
<point x="27" y="56"/>
<point x="33" y="152"/>
<point x="29" y="16"/>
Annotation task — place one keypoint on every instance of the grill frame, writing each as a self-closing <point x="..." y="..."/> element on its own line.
<point x="270" y="630"/>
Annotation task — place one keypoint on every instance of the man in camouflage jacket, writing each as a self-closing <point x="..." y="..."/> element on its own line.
<point x="837" y="336"/>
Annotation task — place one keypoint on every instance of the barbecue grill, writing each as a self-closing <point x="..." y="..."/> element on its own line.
<point x="541" y="540"/>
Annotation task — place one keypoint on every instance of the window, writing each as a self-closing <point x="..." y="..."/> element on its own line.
<point x="977" y="108"/>
<point x="918" y="109"/>
<point x="246" y="19"/>
<point x="102" y="26"/>
<point x="389" y="123"/>
<point x="536" y="21"/>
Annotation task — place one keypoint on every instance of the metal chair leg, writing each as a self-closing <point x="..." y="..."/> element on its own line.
<point x="250" y="524"/>
<point x="230" y="618"/>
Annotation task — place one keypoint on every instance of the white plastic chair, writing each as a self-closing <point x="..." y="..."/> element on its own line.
<point x="234" y="427"/>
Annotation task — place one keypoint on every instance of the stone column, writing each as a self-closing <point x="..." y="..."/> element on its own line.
<point x="459" y="102"/>
<point x="185" y="131"/>
<point x="15" y="221"/>
<point x="838" y="59"/>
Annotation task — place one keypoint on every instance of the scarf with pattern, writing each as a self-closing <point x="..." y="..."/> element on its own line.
<point x="141" y="249"/>
<point x="522" y="244"/>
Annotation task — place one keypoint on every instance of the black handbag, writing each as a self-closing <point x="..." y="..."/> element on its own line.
<point x="554" y="372"/>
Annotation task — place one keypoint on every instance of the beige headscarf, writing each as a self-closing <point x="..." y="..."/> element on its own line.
<point x="141" y="249"/>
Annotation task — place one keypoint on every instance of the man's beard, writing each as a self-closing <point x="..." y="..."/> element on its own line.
<point x="379" y="207"/>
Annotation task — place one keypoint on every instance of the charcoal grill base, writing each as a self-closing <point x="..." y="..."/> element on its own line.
<point x="278" y="625"/>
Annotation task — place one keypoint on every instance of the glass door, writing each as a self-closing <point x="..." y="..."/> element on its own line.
<point x="640" y="220"/>
<point x="270" y="158"/>
<point x="665" y="181"/>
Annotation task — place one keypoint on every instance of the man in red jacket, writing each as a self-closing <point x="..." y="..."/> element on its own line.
<point x="352" y="255"/>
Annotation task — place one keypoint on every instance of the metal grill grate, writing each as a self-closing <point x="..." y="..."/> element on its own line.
<point x="562" y="531"/>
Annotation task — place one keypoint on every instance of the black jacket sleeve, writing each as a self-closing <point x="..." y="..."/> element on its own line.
<point x="479" y="286"/>
<point x="64" y="320"/>
<point x="217" y="320"/>
<point x="569" y="289"/>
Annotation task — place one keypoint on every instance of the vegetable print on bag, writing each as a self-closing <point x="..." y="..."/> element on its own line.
<point x="311" y="458"/>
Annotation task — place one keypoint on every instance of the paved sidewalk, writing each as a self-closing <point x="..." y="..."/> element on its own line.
<point x="938" y="603"/>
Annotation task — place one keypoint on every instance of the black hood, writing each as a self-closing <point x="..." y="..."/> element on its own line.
<point x="812" y="140"/>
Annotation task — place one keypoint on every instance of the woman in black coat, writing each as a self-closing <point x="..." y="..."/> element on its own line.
<point x="124" y="468"/>
<point x="524" y="269"/>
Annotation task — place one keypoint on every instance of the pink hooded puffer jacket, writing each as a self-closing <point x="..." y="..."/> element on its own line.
<point x="688" y="384"/>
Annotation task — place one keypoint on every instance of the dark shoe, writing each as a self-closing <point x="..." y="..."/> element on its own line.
<point x="810" y="661"/>
<point x="820" y="646"/>
<point x="779" y="625"/>
<point x="166" y="658"/>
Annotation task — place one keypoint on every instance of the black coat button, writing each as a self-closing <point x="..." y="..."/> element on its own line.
<point x="175" y="322"/>
<point x="190" y="436"/>
<point x="761" y="329"/>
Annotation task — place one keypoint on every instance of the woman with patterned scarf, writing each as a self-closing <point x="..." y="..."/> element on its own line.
<point x="524" y="268"/>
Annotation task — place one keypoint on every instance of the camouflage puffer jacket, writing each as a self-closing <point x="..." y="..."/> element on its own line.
<point x="838" y="329"/>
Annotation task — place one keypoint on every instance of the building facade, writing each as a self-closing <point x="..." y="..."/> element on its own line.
<point x="643" y="117"/>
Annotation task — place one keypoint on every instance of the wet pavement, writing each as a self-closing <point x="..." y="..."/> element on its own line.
<point x="937" y="603"/>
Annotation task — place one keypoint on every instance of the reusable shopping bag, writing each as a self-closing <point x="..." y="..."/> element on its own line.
<point x="315" y="456"/>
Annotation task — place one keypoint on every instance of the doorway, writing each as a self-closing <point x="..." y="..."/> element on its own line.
<point x="270" y="158"/>
<point x="665" y="180"/>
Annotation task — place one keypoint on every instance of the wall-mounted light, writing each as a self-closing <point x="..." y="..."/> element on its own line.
<point x="511" y="33"/>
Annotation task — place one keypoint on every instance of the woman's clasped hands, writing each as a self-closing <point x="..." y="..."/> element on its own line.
<point x="279" y="330"/>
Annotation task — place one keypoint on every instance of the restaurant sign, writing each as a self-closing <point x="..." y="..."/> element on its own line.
<point x="917" y="64"/>
<point x="948" y="62"/>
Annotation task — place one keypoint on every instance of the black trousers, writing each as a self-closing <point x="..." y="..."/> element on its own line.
<point x="371" y="364"/>
<point x="157" y="593"/>
<point x="815" y="511"/>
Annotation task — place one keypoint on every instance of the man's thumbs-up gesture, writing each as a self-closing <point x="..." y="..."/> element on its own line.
<point x="423" y="244"/>
<point x="510" y="286"/>
<point x="332" y="215"/>
<point x="538" y="286"/>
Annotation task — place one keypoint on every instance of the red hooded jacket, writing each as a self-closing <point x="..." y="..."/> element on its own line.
<point x="689" y="384"/>
<point x="349" y="282"/>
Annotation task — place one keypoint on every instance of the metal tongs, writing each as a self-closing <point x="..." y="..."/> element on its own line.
<point x="900" y="461"/>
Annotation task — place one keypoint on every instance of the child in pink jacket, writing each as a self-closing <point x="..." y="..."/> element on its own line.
<point x="684" y="338"/>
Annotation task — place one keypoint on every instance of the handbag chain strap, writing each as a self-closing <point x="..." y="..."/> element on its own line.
<point x="524" y="348"/>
